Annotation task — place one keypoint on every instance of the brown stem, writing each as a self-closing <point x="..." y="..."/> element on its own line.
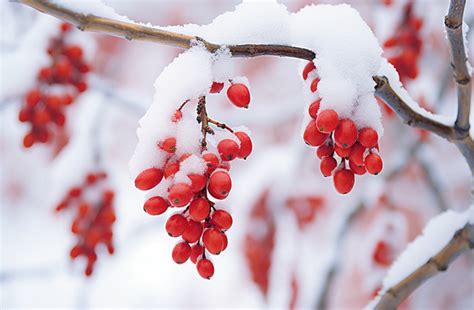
<point x="462" y="240"/>
<point x="220" y="125"/>
<point x="204" y="120"/>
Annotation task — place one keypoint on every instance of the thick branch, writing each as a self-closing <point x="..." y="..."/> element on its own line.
<point x="131" y="31"/>
<point x="453" y="24"/>
<point x="462" y="240"/>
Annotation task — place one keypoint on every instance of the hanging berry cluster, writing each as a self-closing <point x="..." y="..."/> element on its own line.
<point x="186" y="188"/>
<point x="357" y="149"/>
<point x="94" y="217"/>
<point x="404" y="47"/>
<point x="57" y="87"/>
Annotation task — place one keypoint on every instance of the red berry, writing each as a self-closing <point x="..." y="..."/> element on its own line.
<point x="359" y="170"/>
<point x="156" y="205"/>
<point x="245" y="144"/>
<point x="225" y="241"/>
<point x="45" y="74"/>
<point x="382" y="254"/>
<point x="220" y="184"/>
<point x="59" y="119"/>
<point x="148" y="179"/>
<point x="345" y="134"/>
<point x="212" y="162"/>
<point x="221" y="219"/>
<point x="373" y="163"/>
<point x="196" y="251"/>
<point x="228" y="149"/>
<point x="170" y="169"/>
<point x="327" y="121"/>
<point x="312" y="136"/>
<point x="41" y="116"/>
<point x="63" y="70"/>
<point x="177" y="116"/>
<point x="199" y="209"/>
<point x="28" y="140"/>
<point x="343" y="181"/>
<point x="180" y="194"/>
<point x="324" y="150"/>
<point x="198" y="182"/>
<point x="213" y="240"/>
<point x="327" y="165"/>
<point x="216" y="87"/>
<point x="193" y="231"/>
<point x="357" y="154"/>
<point x="74" y="52"/>
<point x="181" y="252"/>
<point x="33" y="97"/>
<point x="314" y="108"/>
<point x="65" y="27"/>
<point x="183" y="157"/>
<point x="176" y="225"/>
<point x="81" y="86"/>
<point x="368" y="137"/>
<point x="314" y="85"/>
<point x="54" y="102"/>
<point x="168" y="145"/>
<point x="205" y="268"/>
<point x="307" y="69"/>
<point x="25" y="115"/>
<point x="343" y="153"/>
<point x="239" y="95"/>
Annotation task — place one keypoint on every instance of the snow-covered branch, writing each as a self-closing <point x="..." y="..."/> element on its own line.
<point x="454" y="29"/>
<point x="445" y="238"/>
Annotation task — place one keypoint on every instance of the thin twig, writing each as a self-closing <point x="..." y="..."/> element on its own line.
<point x="220" y="125"/>
<point x="203" y="119"/>
<point x="462" y="240"/>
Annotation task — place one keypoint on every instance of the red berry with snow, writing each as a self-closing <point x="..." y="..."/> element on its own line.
<point x="307" y="69"/>
<point x="345" y="134"/>
<point x="198" y="182"/>
<point x="314" y="108"/>
<point x="245" y="144"/>
<point x="368" y="137"/>
<point x="228" y="149"/>
<point x="168" y="145"/>
<point x="314" y="85"/>
<point x="312" y="136"/>
<point x="216" y="87"/>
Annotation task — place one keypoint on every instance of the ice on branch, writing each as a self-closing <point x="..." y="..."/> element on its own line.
<point x="435" y="236"/>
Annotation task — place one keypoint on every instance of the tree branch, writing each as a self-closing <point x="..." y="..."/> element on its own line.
<point x="462" y="240"/>
<point x="453" y="24"/>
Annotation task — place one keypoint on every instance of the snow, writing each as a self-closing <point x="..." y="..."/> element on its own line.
<point x="437" y="233"/>
<point x="94" y="7"/>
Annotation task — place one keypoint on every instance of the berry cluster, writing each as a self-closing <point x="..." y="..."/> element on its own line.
<point x="334" y="137"/>
<point x="94" y="218"/>
<point x="44" y="106"/>
<point x="201" y="226"/>
<point x="406" y="44"/>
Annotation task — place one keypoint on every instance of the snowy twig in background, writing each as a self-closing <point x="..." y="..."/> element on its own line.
<point x="453" y="23"/>
<point x="455" y="228"/>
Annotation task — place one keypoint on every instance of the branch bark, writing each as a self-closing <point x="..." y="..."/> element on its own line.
<point x="462" y="240"/>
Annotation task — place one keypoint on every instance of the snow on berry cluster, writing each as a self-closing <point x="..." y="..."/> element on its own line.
<point x="58" y="85"/>
<point x="338" y="137"/>
<point x="94" y="217"/>
<point x="187" y="158"/>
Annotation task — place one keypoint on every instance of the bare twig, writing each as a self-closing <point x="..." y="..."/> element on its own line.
<point x="453" y="24"/>
<point x="462" y="240"/>
<point x="220" y="125"/>
<point x="203" y="119"/>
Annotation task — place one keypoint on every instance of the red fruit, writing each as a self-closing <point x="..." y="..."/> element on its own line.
<point x="28" y="140"/>
<point x="224" y="245"/>
<point x="312" y="136"/>
<point x="170" y="169"/>
<point x="196" y="251"/>
<point x="228" y="149"/>
<point x="213" y="240"/>
<point x="345" y="134"/>
<point x="343" y="153"/>
<point x="205" y="268"/>
<point x="216" y="87"/>
<point x="198" y="182"/>
<point x="368" y="137"/>
<point x="84" y="68"/>
<point x="343" y="181"/>
<point x="199" y="209"/>
<point x="212" y="162"/>
<point x="382" y="254"/>
<point x="176" y="225"/>
<point x="307" y="69"/>
<point x="220" y="184"/>
<point x="63" y="69"/>
<point x="314" y="108"/>
<point x="373" y="163"/>
<point x="193" y="231"/>
<point x="239" y="95"/>
<point x="148" y="178"/>
<point x="25" y="115"/>
<point x="325" y="150"/>
<point x="181" y="252"/>
<point x="54" y="102"/>
<point x="75" y="192"/>
<point x="177" y="116"/>
<point x="327" y="165"/>
<point x="74" y="52"/>
<point x="33" y="97"/>
<point x="245" y="144"/>
<point x="156" y="205"/>
<point x="75" y="251"/>
<point x="168" y="145"/>
<point x="59" y="119"/>
<point x="359" y="170"/>
<point x="180" y="194"/>
<point x="357" y="154"/>
<point x="41" y="117"/>
<point x="65" y="27"/>
<point x="221" y="219"/>
<point x="45" y="74"/>
<point x="81" y="86"/>
<point x="314" y="85"/>
<point x="183" y="157"/>
<point x="327" y="121"/>
<point x="67" y="99"/>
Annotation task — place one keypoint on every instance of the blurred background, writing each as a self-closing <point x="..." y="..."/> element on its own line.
<point x="295" y="242"/>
